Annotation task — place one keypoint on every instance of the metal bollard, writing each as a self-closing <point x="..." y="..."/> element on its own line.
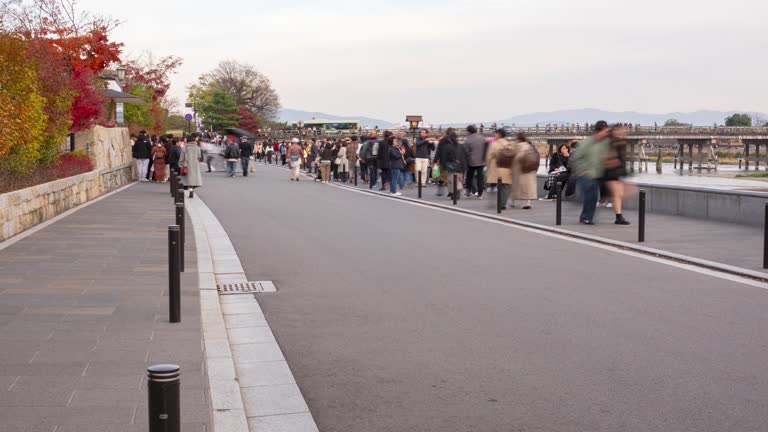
<point x="174" y="276"/>
<point x="641" y="219"/>
<point x="180" y="194"/>
<point x="164" y="398"/>
<point x="765" y="238"/>
<point x="355" y="175"/>
<point x="180" y="221"/>
<point x="420" y="184"/>
<point x="559" y="207"/>
<point x="455" y="187"/>
<point x="343" y="173"/>
<point x="498" y="196"/>
<point x="173" y="183"/>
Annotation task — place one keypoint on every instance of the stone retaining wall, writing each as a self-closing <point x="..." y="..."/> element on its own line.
<point x="110" y="151"/>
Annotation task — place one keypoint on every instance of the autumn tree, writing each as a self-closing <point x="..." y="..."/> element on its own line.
<point x="246" y="85"/>
<point x="88" y="106"/>
<point x="156" y="77"/>
<point x="248" y="121"/>
<point x="21" y="108"/>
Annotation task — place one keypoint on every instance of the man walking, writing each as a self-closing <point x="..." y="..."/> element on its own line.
<point x="371" y="156"/>
<point x="142" y="151"/>
<point x="587" y="165"/>
<point x="232" y="155"/>
<point x="246" y="150"/>
<point x="295" y="159"/>
<point x="384" y="160"/>
<point x="476" y="148"/>
<point x="424" y="147"/>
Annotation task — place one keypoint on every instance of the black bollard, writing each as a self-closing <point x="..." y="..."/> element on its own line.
<point x="498" y="196"/>
<point x="173" y="183"/>
<point x="559" y="207"/>
<point x="343" y="173"/>
<point x="174" y="276"/>
<point x="355" y="175"/>
<point x="765" y="238"/>
<point x="455" y="187"/>
<point x="164" y="398"/>
<point x="182" y="233"/>
<point x="641" y="219"/>
<point x="180" y="194"/>
<point x="420" y="184"/>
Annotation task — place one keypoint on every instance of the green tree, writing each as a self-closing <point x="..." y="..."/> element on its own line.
<point x="738" y="120"/>
<point x="176" y="122"/>
<point x="672" y="122"/>
<point x="217" y="109"/>
<point x="139" y="116"/>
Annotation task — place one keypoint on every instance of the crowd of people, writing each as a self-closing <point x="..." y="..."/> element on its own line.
<point x="466" y="169"/>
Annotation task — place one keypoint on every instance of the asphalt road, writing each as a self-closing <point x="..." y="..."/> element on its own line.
<point x="395" y="317"/>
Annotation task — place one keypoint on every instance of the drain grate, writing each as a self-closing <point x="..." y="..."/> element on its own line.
<point x="246" y="287"/>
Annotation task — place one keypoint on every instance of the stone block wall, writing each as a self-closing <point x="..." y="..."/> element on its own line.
<point x="110" y="151"/>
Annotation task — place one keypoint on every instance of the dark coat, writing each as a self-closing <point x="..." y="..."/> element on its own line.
<point x="246" y="149"/>
<point x="450" y="153"/>
<point x="423" y="148"/>
<point x="384" y="161"/>
<point x="142" y="148"/>
<point x="395" y="159"/>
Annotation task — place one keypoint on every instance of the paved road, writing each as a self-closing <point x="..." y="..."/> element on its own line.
<point x="395" y="317"/>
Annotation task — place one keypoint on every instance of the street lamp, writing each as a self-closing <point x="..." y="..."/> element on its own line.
<point x="413" y="121"/>
<point x="120" y="74"/>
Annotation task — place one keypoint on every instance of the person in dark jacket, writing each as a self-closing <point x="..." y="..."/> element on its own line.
<point x="384" y="162"/>
<point x="371" y="151"/>
<point x="246" y="151"/>
<point x="174" y="156"/>
<point x="142" y="152"/>
<point x="423" y="150"/>
<point x="558" y="170"/>
<point x="451" y="158"/>
<point x="476" y="147"/>
<point x="231" y="155"/>
<point x="396" y="164"/>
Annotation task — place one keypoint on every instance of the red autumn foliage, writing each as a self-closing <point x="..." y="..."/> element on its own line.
<point x="88" y="107"/>
<point x="67" y="165"/>
<point x="248" y="120"/>
<point x="70" y="164"/>
<point x="157" y="77"/>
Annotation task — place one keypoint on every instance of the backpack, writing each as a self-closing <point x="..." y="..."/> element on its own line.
<point x="531" y="160"/>
<point x="374" y="150"/>
<point x="505" y="157"/>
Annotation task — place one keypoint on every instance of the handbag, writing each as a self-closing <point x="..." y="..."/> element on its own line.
<point x="436" y="171"/>
<point x="184" y="170"/>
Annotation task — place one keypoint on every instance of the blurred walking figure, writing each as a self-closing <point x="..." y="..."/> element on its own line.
<point x="616" y="169"/>
<point x="191" y="159"/>
<point x="501" y="156"/>
<point x="295" y="159"/>
<point x="232" y="156"/>
<point x="587" y="163"/>
<point x="524" y="172"/>
<point x="477" y="148"/>
<point x="452" y="160"/>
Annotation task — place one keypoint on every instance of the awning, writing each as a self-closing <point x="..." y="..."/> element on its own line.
<point x="121" y="97"/>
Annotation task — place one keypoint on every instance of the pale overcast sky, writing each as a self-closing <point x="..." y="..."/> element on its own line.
<point x="461" y="60"/>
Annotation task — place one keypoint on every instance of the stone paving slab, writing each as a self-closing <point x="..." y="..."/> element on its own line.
<point x="84" y="311"/>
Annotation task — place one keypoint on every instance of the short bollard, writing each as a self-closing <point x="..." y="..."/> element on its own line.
<point x="498" y="196"/>
<point x="455" y="188"/>
<point x="180" y="194"/>
<point x="343" y="173"/>
<point x="180" y="219"/>
<point x="164" y="398"/>
<point x="173" y="183"/>
<point x="355" y="175"/>
<point x="559" y="206"/>
<point x="641" y="219"/>
<point x="174" y="276"/>
<point x="420" y="180"/>
<point x="765" y="238"/>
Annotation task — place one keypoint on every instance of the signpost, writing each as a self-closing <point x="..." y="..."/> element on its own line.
<point x="188" y="117"/>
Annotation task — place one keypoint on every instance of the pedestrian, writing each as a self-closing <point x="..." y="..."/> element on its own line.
<point x="587" y="165"/>
<point x="558" y="170"/>
<point x="451" y="159"/>
<point x="476" y="147"/>
<point x="142" y="152"/>
<point x="523" y="178"/>
<point x="371" y="155"/>
<point x="191" y="160"/>
<point x="615" y="169"/>
<point x="314" y="150"/>
<point x="158" y="161"/>
<point x="207" y="151"/>
<point x="246" y="151"/>
<point x="384" y="161"/>
<point x="352" y="159"/>
<point x="283" y="152"/>
<point x="396" y="164"/>
<point x="424" y="147"/>
<point x="342" y="160"/>
<point x="175" y="155"/>
<point x="326" y="157"/>
<point x="232" y="156"/>
<point x="295" y="159"/>
<point x="501" y="156"/>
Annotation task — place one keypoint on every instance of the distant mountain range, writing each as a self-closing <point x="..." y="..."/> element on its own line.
<point x="585" y="115"/>
<point x="290" y="115"/>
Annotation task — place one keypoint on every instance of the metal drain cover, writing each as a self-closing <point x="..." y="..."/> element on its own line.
<point x="246" y="287"/>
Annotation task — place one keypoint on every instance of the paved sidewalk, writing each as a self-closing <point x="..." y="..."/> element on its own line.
<point x="734" y="245"/>
<point x="84" y="311"/>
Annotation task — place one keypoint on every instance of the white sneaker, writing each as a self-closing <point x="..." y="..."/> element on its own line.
<point x="397" y="194"/>
<point x="609" y="205"/>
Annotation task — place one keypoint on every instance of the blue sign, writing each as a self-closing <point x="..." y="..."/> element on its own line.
<point x="188" y="117"/>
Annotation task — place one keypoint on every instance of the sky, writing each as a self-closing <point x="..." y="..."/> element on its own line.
<point x="467" y="60"/>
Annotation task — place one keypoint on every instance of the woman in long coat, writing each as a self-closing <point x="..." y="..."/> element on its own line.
<point x="191" y="160"/>
<point x="494" y="172"/>
<point x="523" y="184"/>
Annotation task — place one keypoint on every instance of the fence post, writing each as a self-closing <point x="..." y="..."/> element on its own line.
<point x="559" y="207"/>
<point x="498" y="196"/>
<point x="180" y="221"/>
<point x="641" y="219"/>
<point x="163" y="394"/>
<point x="419" y="184"/>
<point x="174" y="276"/>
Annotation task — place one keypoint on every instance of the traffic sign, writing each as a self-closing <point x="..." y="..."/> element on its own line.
<point x="188" y="117"/>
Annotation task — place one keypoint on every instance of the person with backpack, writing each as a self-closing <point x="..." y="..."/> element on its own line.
<point x="232" y="155"/>
<point x="501" y="156"/>
<point x="451" y="159"/>
<point x="371" y="156"/>
<point x="524" y="169"/>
